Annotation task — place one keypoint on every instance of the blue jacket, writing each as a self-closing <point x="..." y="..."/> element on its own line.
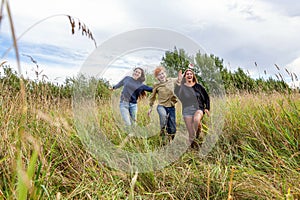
<point x="131" y="89"/>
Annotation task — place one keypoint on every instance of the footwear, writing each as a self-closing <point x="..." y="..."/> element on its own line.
<point x="198" y="133"/>
<point x="171" y="136"/>
<point x="198" y="139"/>
<point x="195" y="145"/>
<point x="163" y="137"/>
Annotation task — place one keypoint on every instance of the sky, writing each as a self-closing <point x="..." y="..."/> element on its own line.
<point x="251" y="34"/>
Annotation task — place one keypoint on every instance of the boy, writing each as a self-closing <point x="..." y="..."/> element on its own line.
<point x="164" y="90"/>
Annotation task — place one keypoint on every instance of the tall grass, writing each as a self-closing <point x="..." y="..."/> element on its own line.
<point x="260" y="139"/>
<point x="24" y="148"/>
<point x="42" y="157"/>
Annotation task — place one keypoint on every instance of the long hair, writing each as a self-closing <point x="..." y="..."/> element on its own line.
<point x="142" y="95"/>
<point x="194" y="76"/>
<point x="142" y="78"/>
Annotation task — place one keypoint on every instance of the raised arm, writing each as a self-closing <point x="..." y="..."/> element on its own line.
<point x="179" y="77"/>
<point x="178" y="83"/>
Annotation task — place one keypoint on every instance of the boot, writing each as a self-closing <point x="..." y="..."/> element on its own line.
<point x="170" y="137"/>
<point x="198" y="139"/>
<point x="163" y="136"/>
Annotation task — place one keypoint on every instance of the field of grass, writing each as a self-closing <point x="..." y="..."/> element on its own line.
<point x="43" y="156"/>
<point x="256" y="157"/>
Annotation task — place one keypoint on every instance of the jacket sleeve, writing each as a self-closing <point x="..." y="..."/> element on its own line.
<point x="152" y="96"/>
<point x="206" y="98"/>
<point x="147" y="88"/>
<point x="174" y="81"/>
<point x="176" y="90"/>
<point x="120" y="84"/>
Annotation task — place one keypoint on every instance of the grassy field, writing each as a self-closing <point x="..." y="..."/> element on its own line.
<point x="256" y="157"/>
<point x="43" y="156"/>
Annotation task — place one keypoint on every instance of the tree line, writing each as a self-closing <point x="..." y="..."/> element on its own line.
<point x="210" y="72"/>
<point x="209" y="69"/>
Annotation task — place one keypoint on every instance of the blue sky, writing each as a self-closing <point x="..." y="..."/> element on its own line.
<point x="241" y="32"/>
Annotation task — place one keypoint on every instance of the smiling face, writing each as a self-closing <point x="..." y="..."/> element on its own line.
<point x="161" y="76"/>
<point x="137" y="73"/>
<point x="189" y="76"/>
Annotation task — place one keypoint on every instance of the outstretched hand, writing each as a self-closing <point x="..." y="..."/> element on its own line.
<point x="111" y="88"/>
<point x="149" y="112"/>
<point x="207" y="112"/>
<point x="179" y="77"/>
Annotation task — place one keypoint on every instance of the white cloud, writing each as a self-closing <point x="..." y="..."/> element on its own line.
<point x="239" y="31"/>
<point x="147" y="59"/>
<point x="294" y="67"/>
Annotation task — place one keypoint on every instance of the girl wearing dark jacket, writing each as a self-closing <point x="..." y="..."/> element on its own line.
<point x="195" y="102"/>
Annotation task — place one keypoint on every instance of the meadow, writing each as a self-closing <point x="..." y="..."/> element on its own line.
<point x="42" y="155"/>
<point x="256" y="157"/>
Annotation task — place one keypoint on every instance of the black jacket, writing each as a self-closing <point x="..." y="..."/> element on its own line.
<point x="201" y="95"/>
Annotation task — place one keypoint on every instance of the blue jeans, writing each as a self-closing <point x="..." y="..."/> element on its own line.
<point x="128" y="112"/>
<point x="167" y="118"/>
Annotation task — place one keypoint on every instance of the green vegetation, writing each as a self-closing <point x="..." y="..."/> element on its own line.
<point x="211" y="72"/>
<point x="42" y="157"/>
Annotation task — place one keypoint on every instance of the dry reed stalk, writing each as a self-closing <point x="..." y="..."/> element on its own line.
<point x="58" y="122"/>
<point x="12" y="29"/>
<point x="208" y="182"/>
<point x="230" y="184"/>
<point x="84" y="29"/>
<point x="1" y="10"/>
<point x="81" y="26"/>
<point x="1" y="64"/>
<point x="132" y="184"/>
<point x="24" y="183"/>
<point x="58" y="196"/>
<point x="124" y="142"/>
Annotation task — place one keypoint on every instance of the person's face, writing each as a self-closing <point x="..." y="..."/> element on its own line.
<point x="161" y="76"/>
<point x="189" y="76"/>
<point x="137" y="73"/>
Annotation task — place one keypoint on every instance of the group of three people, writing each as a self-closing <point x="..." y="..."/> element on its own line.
<point x="193" y="96"/>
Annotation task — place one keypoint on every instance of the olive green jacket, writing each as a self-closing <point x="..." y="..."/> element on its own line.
<point x="165" y="93"/>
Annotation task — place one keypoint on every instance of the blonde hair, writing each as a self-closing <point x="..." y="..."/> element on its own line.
<point x="159" y="69"/>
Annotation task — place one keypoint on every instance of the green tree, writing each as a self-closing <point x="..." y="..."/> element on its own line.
<point x="212" y="74"/>
<point x="175" y="61"/>
<point x="208" y="70"/>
